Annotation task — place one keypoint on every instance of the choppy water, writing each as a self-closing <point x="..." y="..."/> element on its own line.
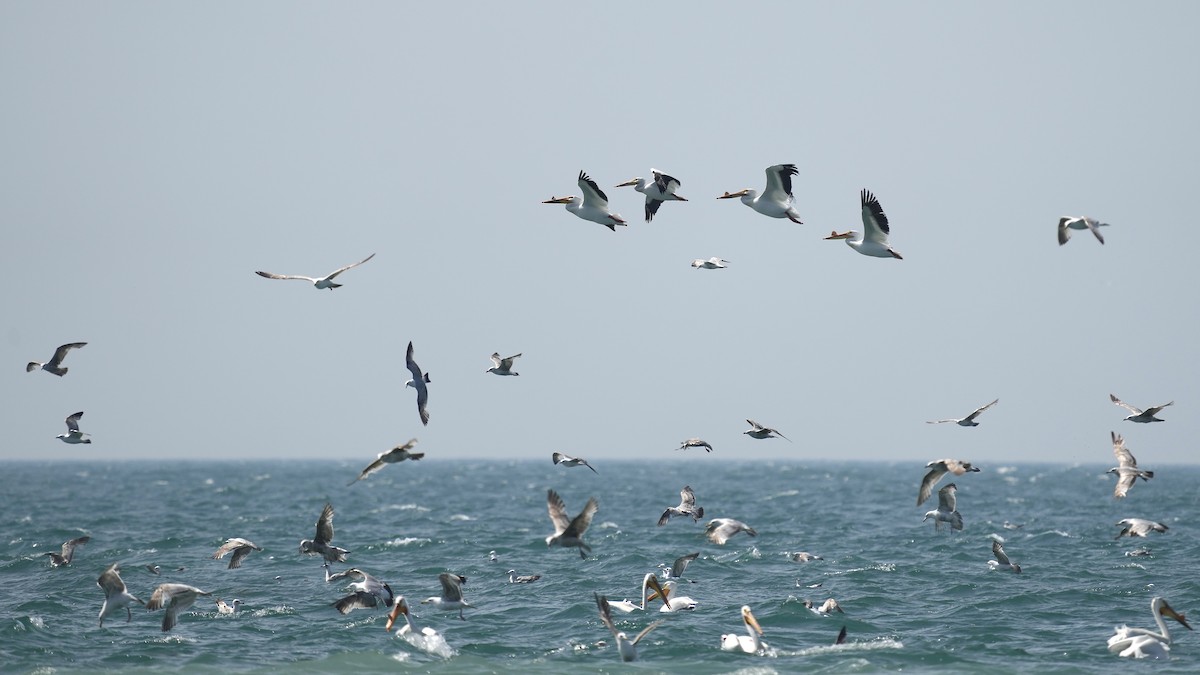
<point x="914" y="600"/>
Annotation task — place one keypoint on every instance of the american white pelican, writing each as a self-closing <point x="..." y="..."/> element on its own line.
<point x="1127" y="469"/>
<point x="175" y="598"/>
<point x="54" y="365"/>
<point x="116" y="595"/>
<point x="514" y="578"/>
<point x="1139" y="415"/>
<point x="749" y="643"/>
<point x="368" y="591"/>
<point x="825" y="608"/>
<point x="760" y="432"/>
<point x="677" y="568"/>
<point x="937" y="469"/>
<point x="662" y="591"/>
<point x="946" y="511"/>
<point x="1138" y="527"/>
<point x="1141" y="643"/>
<point x="317" y="282"/>
<point x="805" y="556"/>
<point x="661" y="189"/>
<point x="593" y="206"/>
<point x="719" y="530"/>
<point x="695" y="443"/>
<point x="873" y="241"/>
<point x="426" y="639"/>
<point x="58" y="559"/>
<point x="228" y="607"/>
<point x="420" y="379"/>
<point x="396" y="454"/>
<point x="626" y="647"/>
<point x="776" y="200"/>
<point x="74" y="435"/>
<point x="569" y="532"/>
<point x="1001" y="562"/>
<point x="969" y="420"/>
<point x="567" y="460"/>
<point x="502" y="366"/>
<point x="1068" y="223"/>
<point x="687" y="507"/>
<point x="319" y="544"/>
<point x="452" y="597"/>
<point x="240" y="548"/>
<point x="710" y="264"/>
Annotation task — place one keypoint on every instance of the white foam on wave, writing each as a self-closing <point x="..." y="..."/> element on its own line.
<point x="461" y="516"/>
<point x="405" y="541"/>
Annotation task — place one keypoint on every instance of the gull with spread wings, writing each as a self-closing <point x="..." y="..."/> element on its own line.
<point x="317" y="282"/>
<point x="1141" y="416"/>
<point x="1127" y="469"/>
<point x="969" y="420"/>
<point x="396" y="454"/>
<point x="937" y="469"/>
<point x="569" y="532"/>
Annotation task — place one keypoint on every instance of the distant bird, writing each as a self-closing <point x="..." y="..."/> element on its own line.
<point x="567" y="460"/>
<point x="154" y="569"/>
<point x="664" y="592"/>
<point x="777" y="199"/>
<point x="452" y="597"/>
<point x="426" y="639"/>
<point x="661" y="189"/>
<point x="54" y="365"/>
<point x="758" y="431"/>
<point x="824" y="609"/>
<point x="719" y="530"/>
<point x="240" y="548"/>
<point x="677" y="568"/>
<point x="68" y="551"/>
<point x="873" y="241"/>
<point x="175" y="598"/>
<point x="228" y="607"/>
<point x="320" y="543"/>
<point x="1012" y="526"/>
<point x="969" y="420"/>
<point x="625" y="647"/>
<point x="946" y="511"/>
<point x="74" y="435"/>
<point x="569" y="532"/>
<point x="1138" y="527"/>
<point x="115" y="594"/>
<point x="1127" y="469"/>
<point x="1068" y="223"/>
<point x="396" y="454"/>
<point x="492" y="557"/>
<point x="695" y="443"/>
<point x="514" y="578"/>
<point x="710" y="264"/>
<point x="805" y="556"/>
<point x="1001" y="562"/>
<point x="368" y="591"/>
<point x="1140" y="643"/>
<point x="317" y="282"/>
<point x="1139" y="415"/>
<point x="418" y="382"/>
<point x="687" y="507"/>
<point x="593" y="206"/>
<point x="502" y="366"/>
<point x="749" y="643"/>
<point x="937" y="469"/>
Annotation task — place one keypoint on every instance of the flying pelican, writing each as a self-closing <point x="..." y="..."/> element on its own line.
<point x="710" y="264"/>
<point x="426" y="639"/>
<point x="418" y="382"/>
<point x="663" y="591"/>
<point x="502" y="366"/>
<point x="569" y="532"/>
<point x="777" y="199"/>
<point x="54" y="365"/>
<point x="695" y="443"/>
<point x="593" y="206"/>
<point x="969" y="420"/>
<point x="750" y="643"/>
<point x="946" y="511"/>
<point x="758" y="431"/>
<point x="626" y="647"/>
<point x="1001" y="562"/>
<point x="661" y="189"/>
<point x="567" y="460"/>
<point x="74" y="435"/>
<point x="825" y="608"/>
<point x="115" y="594"/>
<point x="1068" y="223"/>
<point x="228" y="607"/>
<point x="240" y="548"/>
<point x="368" y="591"/>
<point x="719" y="530"/>
<point x="317" y="282"/>
<point x="1139" y="415"/>
<point x="514" y="578"/>
<point x="874" y="240"/>
<point x="1138" y="527"/>
<point x="937" y="469"/>
<point x="1127" y="469"/>
<point x="396" y="454"/>
<point x="675" y="571"/>
<point x="687" y="507"/>
<point x="319" y="544"/>
<point x="1141" y="643"/>
<point x="176" y="598"/>
<point x="68" y="551"/>
<point x="451" y="598"/>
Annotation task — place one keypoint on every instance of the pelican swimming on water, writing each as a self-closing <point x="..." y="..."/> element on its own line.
<point x="1141" y="643"/>
<point x="451" y="597"/>
<point x="946" y="512"/>
<point x="368" y="591"/>
<point x="317" y="282"/>
<point x="710" y="264"/>
<point x="1138" y="527"/>
<point x="396" y="454"/>
<point x="240" y="548"/>
<point x="74" y="435"/>
<point x="116" y="595"/>
<point x="502" y="366"/>
<point x="749" y="643"/>
<point x="59" y="559"/>
<point x="969" y="420"/>
<point x="569" y="532"/>
<point x="687" y="507"/>
<point x="593" y="206"/>
<point x="777" y="199"/>
<point x="320" y="543"/>
<point x="873" y="241"/>
<point x="695" y="443"/>
<point x="1127" y="469"/>
<point x="760" y="432"/>
<point x="719" y="530"/>
<point x="1139" y="415"/>
<point x="54" y="365"/>
<point x="937" y="469"/>
<point x="426" y="639"/>
<point x="661" y="189"/>
<point x="567" y="460"/>
<point x="662" y="591"/>
<point x="1001" y="562"/>
<point x="1068" y="223"/>
<point x="175" y="598"/>
<point x="626" y="647"/>
<point x="418" y="382"/>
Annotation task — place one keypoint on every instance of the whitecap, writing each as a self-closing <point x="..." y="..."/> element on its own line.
<point x="405" y="541"/>
<point x="461" y="516"/>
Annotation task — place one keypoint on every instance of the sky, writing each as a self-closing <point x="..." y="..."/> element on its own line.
<point x="155" y="155"/>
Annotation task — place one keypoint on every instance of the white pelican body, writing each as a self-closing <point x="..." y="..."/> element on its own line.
<point x="593" y="206"/>
<point x="946" y="511"/>
<point x="749" y="643"/>
<point x="1140" y="643"/>
<point x="663" y="591"/>
<point x="451" y="598"/>
<point x="425" y="639"/>
<point x="1127" y="469"/>
<point x="1068" y="223"/>
<point x="74" y="435"/>
<point x="873" y="241"/>
<point x="776" y="200"/>
<point x="319" y="283"/>
<point x="626" y="647"/>
<point x="661" y="189"/>
<point x="1138" y="415"/>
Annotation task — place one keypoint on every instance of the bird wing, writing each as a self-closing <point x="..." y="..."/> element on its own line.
<point x="975" y="414"/>
<point x="507" y="362"/>
<point x="935" y="474"/>
<point x="756" y="425"/>
<point x="681" y="563"/>
<point x="272" y="275"/>
<point x="110" y="581"/>
<point x="1094" y="226"/>
<point x="451" y="586"/>
<point x="61" y="352"/>
<point x="372" y="467"/>
<point x="68" y="547"/>
<point x="778" y="433"/>
<point x="325" y="526"/>
<point x="947" y="501"/>
<point x="73" y="421"/>
<point x="496" y="359"/>
<point x="558" y="457"/>
<point x="164" y="594"/>
<point x="350" y="266"/>
<point x="558" y="512"/>
<point x="666" y="184"/>
<point x="875" y="221"/>
<point x="637" y="638"/>
<point x="239" y="554"/>
<point x="585" y="463"/>
<point x="1135" y="411"/>
<point x="1124" y="458"/>
<point x="779" y="182"/>
<point x="998" y="551"/>
<point x="1158" y="408"/>
<point x="592" y="194"/>
<point x="941" y="421"/>
<point x="356" y="600"/>
<point x="605" y="613"/>
<point x="581" y="522"/>
<point x="1064" y="233"/>
<point x="687" y="498"/>
<point x="1125" y="480"/>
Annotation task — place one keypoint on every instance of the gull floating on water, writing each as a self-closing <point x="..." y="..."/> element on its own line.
<point x="514" y="578"/>
<point x="805" y="556"/>
<point x="675" y="571"/>
<point x="695" y="443"/>
<point x="777" y="199"/>
<point x="1138" y="527"/>
<point x="396" y="454"/>
<point x="74" y="435"/>
<point x="426" y="639"/>
<point x="317" y="282"/>
<point x="569" y="532"/>
<point x="1127" y="469"/>
<point x="969" y="420"/>
<point x="368" y="591"/>
<point x="1068" y="223"/>
<point x="1001" y="562"/>
<point x="593" y="206"/>
<point x="1141" y="643"/>
<point x="54" y="365"/>
<point x="68" y="551"/>
<point x="758" y="431"/>
<point x="719" y="530"/>
<point x="175" y="598"/>
<point x="825" y="608"/>
<point x="874" y="240"/>
<point x="240" y="548"/>
<point x="452" y="597"/>
<point x="502" y="366"/>
<point x="320" y="543"/>
<point x="937" y="469"/>
<point x="946" y="511"/>
<point x="115" y="594"/>
<point x="661" y="189"/>
<point x="749" y="643"/>
<point x="710" y="264"/>
<point x="1139" y="415"/>
<point x="228" y="607"/>
<point x="567" y="460"/>
<point x="687" y="507"/>
<point x="420" y="379"/>
<point x="663" y="591"/>
<point x="626" y="647"/>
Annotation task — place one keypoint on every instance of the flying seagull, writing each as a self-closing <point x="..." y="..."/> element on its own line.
<point x="719" y="530"/>
<point x="687" y="507"/>
<point x="74" y="435"/>
<point x="54" y="365"/>
<point x="368" y="591"/>
<point x="319" y="544"/>
<point x="695" y="443"/>
<point x="567" y="460"/>
<point x="1139" y="415"/>
<point x="396" y="454"/>
<point x="937" y="469"/>
<point x="502" y="366"/>
<point x="115" y="594"/>
<point x="175" y="598"/>
<point x="1138" y="527"/>
<point x="947" y="511"/>
<point x="710" y="264"/>
<point x="318" y="282"/>
<point x="569" y="532"/>
<point x="1001" y="562"/>
<point x="677" y="568"/>
<point x="418" y="382"/>
<point x="452" y="597"/>
<point x="757" y="430"/>
<point x="592" y="206"/>
<point x="1068" y="223"/>
<point x="626" y="647"/>
<point x="969" y="420"/>
<point x="1127" y="469"/>
<point x="661" y="189"/>
<point x="68" y="551"/>
<point x="240" y="548"/>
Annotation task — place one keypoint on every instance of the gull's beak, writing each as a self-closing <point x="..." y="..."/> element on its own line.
<point x="748" y="617"/>
<point x="1167" y="611"/>
<point x="731" y="195"/>
<point x="631" y="181"/>
<point x="835" y="235"/>
<point x="558" y="200"/>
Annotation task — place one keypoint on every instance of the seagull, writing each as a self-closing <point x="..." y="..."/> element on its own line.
<point x="54" y="365"/>
<point x="969" y="420"/>
<point x="115" y="594"/>
<point x="502" y="366"/>
<point x="567" y="460"/>
<point x="826" y="608"/>
<point x="569" y="532"/>
<point x="368" y="591"/>
<point x="757" y="430"/>
<point x="626" y="647"/>
<point x="661" y="189"/>
<point x="176" y="598"/>
<point x="777" y="199"/>
<point x="418" y="382"/>
<point x="514" y="578"/>
<point x="74" y="435"/>
<point x="946" y="511"/>
<point x="154" y="569"/>
<point x="1001" y="562"/>
<point x="1138" y="527"/>
<point x="719" y="530"/>
<point x="426" y="639"/>
<point x="937" y="469"/>
<point x="695" y="443"/>
<point x="663" y="591"/>
<point x="228" y="607"/>
<point x="874" y="241"/>
<point x="1127" y="469"/>
<point x="593" y="206"/>
<point x="1139" y="415"/>
<point x="317" y="282"/>
<point x="319" y="544"/>
<point x="396" y="454"/>
<point x="451" y="598"/>
<point x="240" y="548"/>
<point x="675" y="571"/>
<point x="1068" y="223"/>
<point x="68" y="551"/>
<point x="710" y="264"/>
<point x="687" y="507"/>
<point x="1140" y="643"/>
<point x="750" y="643"/>
<point x="805" y="556"/>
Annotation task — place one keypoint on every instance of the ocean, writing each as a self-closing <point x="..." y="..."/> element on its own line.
<point x="914" y="600"/>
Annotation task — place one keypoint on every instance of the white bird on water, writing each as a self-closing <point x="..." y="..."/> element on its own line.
<point x="230" y="607"/>
<point x="569" y="532"/>
<point x="946" y="512"/>
<point x="625" y="647"/>
<point x="1068" y="223"/>
<point x="937" y="469"/>
<point x="317" y="282"/>
<point x="54" y="365"/>
<point x="418" y="382"/>
<point x="1141" y="416"/>
<point x="116" y="595"/>
<point x="396" y="454"/>
<point x="502" y="366"/>
<point x="74" y="435"/>
<point x="873" y="241"/>
<point x="567" y="460"/>
<point x="514" y="578"/>
<point x="1141" y="643"/>
<point x="661" y="189"/>
<point x="320" y="543"/>
<point x="777" y="199"/>
<point x="710" y="264"/>
<point x="760" y="432"/>
<point x="1138" y="527"/>
<point x="426" y="639"/>
<point x="719" y="530"/>
<point x="1001" y="562"/>
<point x="1127" y="469"/>
<point x="969" y="420"/>
<point x="593" y="206"/>
<point x="662" y="591"/>
<point x="175" y="598"/>
<point x="451" y="597"/>
<point x="749" y="643"/>
<point x="240" y="548"/>
<point x="67" y="554"/>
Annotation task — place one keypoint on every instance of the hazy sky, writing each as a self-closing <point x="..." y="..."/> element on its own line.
<point x="156" y="154"/>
